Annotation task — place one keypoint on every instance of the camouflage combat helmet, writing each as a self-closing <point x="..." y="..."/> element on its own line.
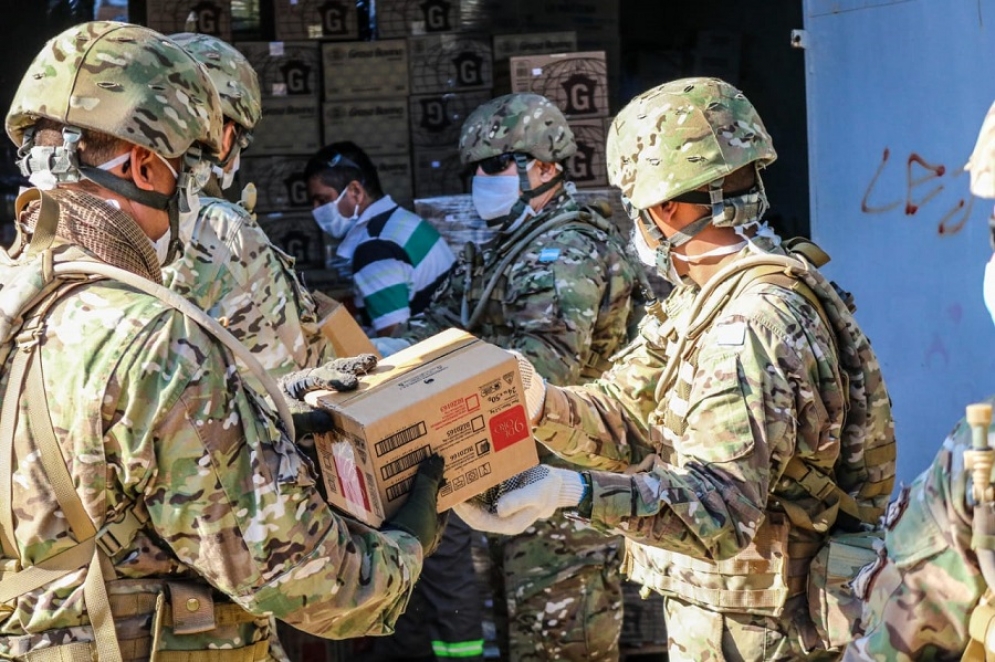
<point x="681" y="135"/>
<point x="232" y="75"/>
<point x="517" y="123"/>
<point x="123" y="80"/>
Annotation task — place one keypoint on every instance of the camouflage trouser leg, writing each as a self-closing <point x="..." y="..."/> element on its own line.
<point x="563" y="591"/>
<point x="695" y="634"/>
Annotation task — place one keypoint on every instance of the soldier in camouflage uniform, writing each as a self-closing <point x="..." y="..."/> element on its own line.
<point x="150" y="503"/>
<point x="229" y="268"/>
<point x="929" y="598"/>
<point x="554" y="284"/>
<point x="719" y="443"/>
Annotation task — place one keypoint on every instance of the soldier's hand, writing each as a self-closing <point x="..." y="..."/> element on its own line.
<point x="418" y="515"/>
<point x="336" y="375"/>
<point x="516" y="504"/>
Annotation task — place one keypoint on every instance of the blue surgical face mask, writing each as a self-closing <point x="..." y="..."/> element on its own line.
<point x="331" y="220"/>
<point x="494" y="195"/>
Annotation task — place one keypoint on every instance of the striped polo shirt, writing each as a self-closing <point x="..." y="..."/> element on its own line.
<point x="398" y="261"/>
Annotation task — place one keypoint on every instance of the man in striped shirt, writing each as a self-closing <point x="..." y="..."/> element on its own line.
<point x="397" y="259"/>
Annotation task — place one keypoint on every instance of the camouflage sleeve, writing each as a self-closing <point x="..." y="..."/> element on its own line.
<point x="230" y="269"/>
<point x="605" y="424"/>
<point x="441" y="314"/>
<point x="921" y="599"/>
<point x="236" y="502"/>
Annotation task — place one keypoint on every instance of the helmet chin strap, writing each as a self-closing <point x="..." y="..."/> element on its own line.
<point x="503" y="223"/>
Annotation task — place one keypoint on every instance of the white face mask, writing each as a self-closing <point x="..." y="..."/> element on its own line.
<point x="715" y="252"/>
<point x="494" y="195"/>
<point x="227" y="177"/>
<point x="161" y="247"/>
<point x="989" y="290"/>
<point x="330" y="219"/>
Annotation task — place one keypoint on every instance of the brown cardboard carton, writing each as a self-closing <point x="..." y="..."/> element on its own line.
<point x="576" y="82"/>
<point x="211" y="17"/>
<point x="375" y="69"/>
<point x="279" y="180"/>
<point x="341" y="328"/>
<point x="436" y="119"/>
<point x="586" y="168"/>
<point x="450" y="63"/>
<point x="451" y="394"/>
<point x="289" y="125"/>
<point x="403" y="18"/>
<point x="396" y="181"/>
<point x="378" y="126"/>
<point x="285" y="68"/>
<point x="440" y="172"/>
<point x="330" y="20"/>
<point x="297" y="235"/>
<point x="507" y="46"/>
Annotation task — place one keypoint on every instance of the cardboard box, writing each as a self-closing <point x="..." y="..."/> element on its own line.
<point x="378" y="126"/>
<point x="331" y="20"/>
<point x="511" y="45"/>
<point x="403" y="18"/>
<point x="297" y="235"/>
<point x="279" y="180"/>
<point x="285" y="68"/>
<point x="450" y="63"/>
<point x="376" y="69"/>
<point x="576" y="82"/>
<point x="289" y="125"/>
<point x="396" y="180"/>
<point x="587" y="168"/>
<point x="451" y="394"/>
<point x="440" y="172"/>
<point x="211" y="17"/>
<point x="341" y="328"/>
<point x="437" y="119"/>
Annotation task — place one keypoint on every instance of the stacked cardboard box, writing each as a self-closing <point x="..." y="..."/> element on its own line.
<point x="406" y="18"/>
<point x="332" y="20"/>
<point x="211" y="17"/>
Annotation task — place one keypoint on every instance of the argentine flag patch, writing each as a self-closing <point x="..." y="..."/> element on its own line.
<point x="549" y="255"/>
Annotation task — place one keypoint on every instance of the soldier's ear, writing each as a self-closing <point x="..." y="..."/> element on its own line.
<point x="546" y="170"/>
<point x="144" y="165"/>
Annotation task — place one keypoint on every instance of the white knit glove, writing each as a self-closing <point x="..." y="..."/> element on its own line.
<point x="535" y="387"/>
<point x="514" y="505"/>
<point x="387" y="346"/>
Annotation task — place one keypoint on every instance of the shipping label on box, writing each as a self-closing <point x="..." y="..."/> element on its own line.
<point x="576" y="82"/>
<point x="365" y="69"/>
<point x="403" y="18"/>
<point x="587" y="168"/>
<point x="285" y="68"/>
<point x="289" y="125"/>
<point x="297" y="235"/>
<point x="437" y="119"/>
<point x="378" y="126"/>
<point x="211" y="17"/>
<point x="394" y="171"/>
<point x="451" y="394"/>
<point x="440" y="172"/>
<point x="279" y="180"/>
<point x="333" y="20"/>
<point x="450" y="63"/>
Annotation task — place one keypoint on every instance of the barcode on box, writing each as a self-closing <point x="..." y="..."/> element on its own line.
<point x="405" y="462"/>
<point x="399" y="489"/>
<point x="398" y="439"/>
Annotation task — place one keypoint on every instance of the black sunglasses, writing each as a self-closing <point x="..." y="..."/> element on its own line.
<point x="496" y="164"/>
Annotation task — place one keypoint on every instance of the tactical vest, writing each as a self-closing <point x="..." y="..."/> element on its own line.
<point x="33" y="278"/>
<point x="485" y="281"/>
<point x="775" y="566"/>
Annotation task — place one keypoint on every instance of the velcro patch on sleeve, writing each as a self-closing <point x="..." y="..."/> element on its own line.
<point x="549" y="255"/>
<point x="732" y="334"/>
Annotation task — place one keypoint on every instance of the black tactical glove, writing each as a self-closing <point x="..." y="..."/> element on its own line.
<point x="418" y="515"/>
<point x="336" y="375"/>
